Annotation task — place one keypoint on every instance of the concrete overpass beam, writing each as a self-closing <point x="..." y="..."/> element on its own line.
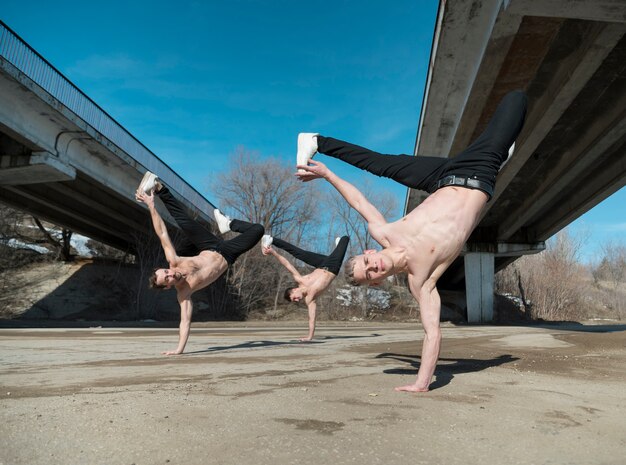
<point x="574" y="168"/>
<point x="508" y="249"/>
<point x="596" y="10"/>
<point x="572" y="76"/>
<point x="34" y="168"/>
<point x="44" y="208"/>
<point x="470" y="24"/>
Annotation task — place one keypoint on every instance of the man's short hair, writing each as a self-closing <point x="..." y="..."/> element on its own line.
<point x="287" y="294"/>
<point x="348" y="271"/>
<point x="152" y="281"/>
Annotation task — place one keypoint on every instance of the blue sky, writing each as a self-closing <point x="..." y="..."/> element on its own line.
<point x="193" y="80"/>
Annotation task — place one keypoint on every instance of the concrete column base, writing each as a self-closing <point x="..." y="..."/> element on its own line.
<point x="479" y="282"/>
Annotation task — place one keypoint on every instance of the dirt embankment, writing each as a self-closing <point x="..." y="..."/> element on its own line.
<point x="54" y="293"/>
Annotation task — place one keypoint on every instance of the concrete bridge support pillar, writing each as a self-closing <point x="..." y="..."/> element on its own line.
<point x="479" y="280"/>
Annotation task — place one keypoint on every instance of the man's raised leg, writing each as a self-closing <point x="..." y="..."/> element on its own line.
<point x="408" y="170"/>
<point x="250" y="235"/>
<point x="502" y="130"/>
<point x="197" y="234"/>
<point x="310" y="258"/>
<point x="335" y="259"/>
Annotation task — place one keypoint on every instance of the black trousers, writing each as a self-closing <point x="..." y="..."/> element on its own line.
<point x="330" y="262"/>
<point x="481" y="160"/>
<point x="198" y="238"/>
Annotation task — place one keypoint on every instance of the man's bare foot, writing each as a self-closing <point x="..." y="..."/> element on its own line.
<point x="411" y="388"/>
<point x="171" y="352"/>
<point x="305" y="339"/>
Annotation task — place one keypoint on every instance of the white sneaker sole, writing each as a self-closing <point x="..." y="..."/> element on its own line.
<point x="511" y="150"/>
<point x="307" y="148"/>
<point x="148" y="182"/>
<point x="267" y="240"/>
<point x="223" y="221"/>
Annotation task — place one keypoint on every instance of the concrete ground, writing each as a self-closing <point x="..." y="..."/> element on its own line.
<point x="252" y="394"/>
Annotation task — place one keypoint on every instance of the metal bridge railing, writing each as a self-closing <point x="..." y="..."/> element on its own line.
<point x="21" y="55"/>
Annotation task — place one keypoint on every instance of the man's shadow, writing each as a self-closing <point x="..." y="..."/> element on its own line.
<point x="259" y="344"/>
<point x="446" y="367"/>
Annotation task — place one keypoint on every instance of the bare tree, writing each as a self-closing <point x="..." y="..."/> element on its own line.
<point x="551" y="283"/>
<point x="611" y="271"/>
<point x="346" y="220"/>
<point x="612" y="267"/>
<point x="61" y="245"/>
<point x="266" y="192"/>
<point x="352" y="223"/>
<point x="26" y="231"/>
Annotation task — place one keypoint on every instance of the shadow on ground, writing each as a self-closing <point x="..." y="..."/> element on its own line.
<point x="265" y="343"/>
<point x="446" y="368"/>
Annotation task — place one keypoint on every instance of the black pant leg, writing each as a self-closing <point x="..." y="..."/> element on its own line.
<point x="483" y="158"/>
<point x="310" y="258"/>
<point x="251" y="234"/>
<point x="411" y="171"/>
<point x="504" y="126"/>
<point x="198" y="235"/>
<point x="335" y="259"/>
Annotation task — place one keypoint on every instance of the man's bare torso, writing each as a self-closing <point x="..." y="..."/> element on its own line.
<point x="317" y="281"/>
<point x="433" y="234"/>
<point x="201" y="270"/>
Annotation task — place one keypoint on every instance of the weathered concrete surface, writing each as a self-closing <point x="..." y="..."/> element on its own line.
<point x="251" y="394"/>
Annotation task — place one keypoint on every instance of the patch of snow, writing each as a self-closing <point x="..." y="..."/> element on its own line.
<point x="23" y="245"/>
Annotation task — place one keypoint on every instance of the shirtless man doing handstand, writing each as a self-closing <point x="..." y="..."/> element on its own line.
<point x="200" y="259"/>
<point x="428" y="239"/>
<point x="309" y="286"/>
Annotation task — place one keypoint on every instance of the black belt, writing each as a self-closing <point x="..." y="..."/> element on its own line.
<point x="463" y="181"/>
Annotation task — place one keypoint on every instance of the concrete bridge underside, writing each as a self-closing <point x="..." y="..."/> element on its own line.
<point x="570" y="58"/>
<point x="60" y="167"/>
<point x="65" y="160"/>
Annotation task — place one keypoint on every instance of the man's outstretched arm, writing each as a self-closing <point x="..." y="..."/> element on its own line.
<point x="430" y="309"/>
<point x="186" y="310"/>
<point x="352" y="195"/>
<point x="283" y="261"/>
<point x="159" y="227"/>
<point x="312" y="307"/>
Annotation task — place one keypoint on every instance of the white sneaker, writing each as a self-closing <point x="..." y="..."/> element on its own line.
<point x="223" y="221"/>
<point x="266" y="240"/>
<point x="148" y="183"/>
<point x="511" y="150"/>
<point x="307" y="147"/>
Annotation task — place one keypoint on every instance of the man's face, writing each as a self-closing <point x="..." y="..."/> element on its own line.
<point x="371" y="267"/>
<point x="168" y="278"/>
<point x="296" y="295"/>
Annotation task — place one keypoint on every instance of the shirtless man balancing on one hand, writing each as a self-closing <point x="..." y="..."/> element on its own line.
<point x="201" y="259"/>
<point x="428" y="239"/>
<point x="312" y="285"/>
